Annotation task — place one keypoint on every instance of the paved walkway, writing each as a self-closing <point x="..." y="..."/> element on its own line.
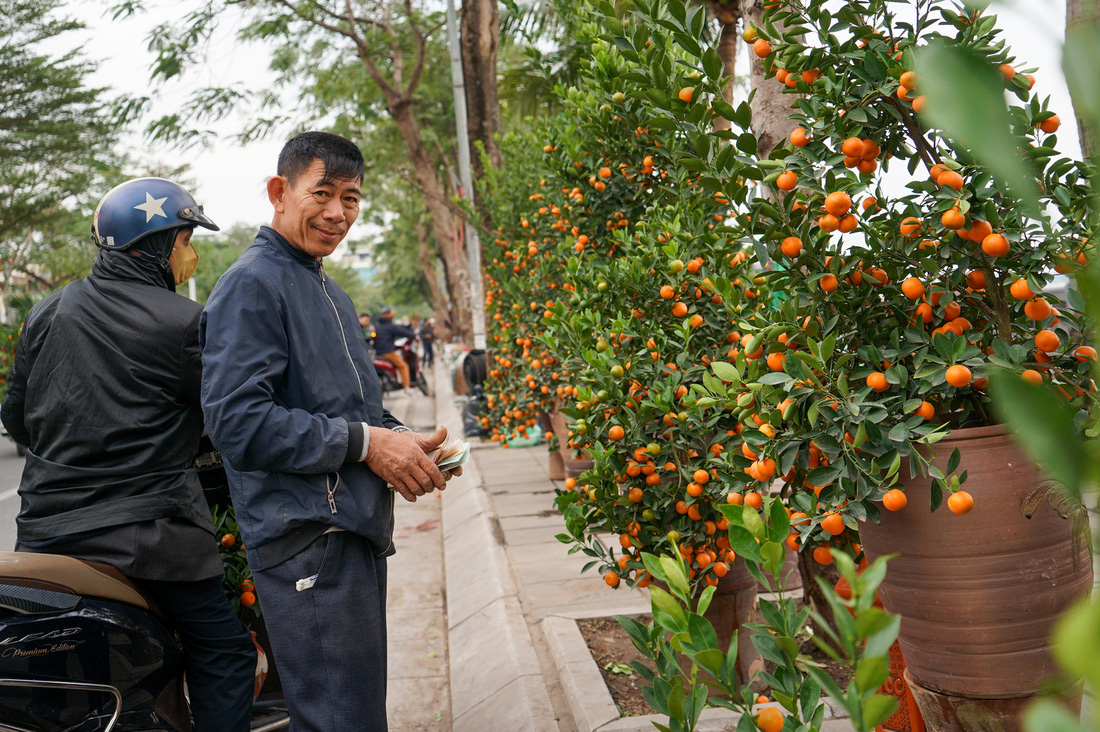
<point x="419" y="693"/>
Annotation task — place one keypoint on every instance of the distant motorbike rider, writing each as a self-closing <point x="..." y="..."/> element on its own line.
<point x="386" y="332"/>
<point x="104" y="393"/>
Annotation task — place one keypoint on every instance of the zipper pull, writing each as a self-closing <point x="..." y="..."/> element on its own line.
<point x="321" y="271"/>
<point x="331" y="501"/>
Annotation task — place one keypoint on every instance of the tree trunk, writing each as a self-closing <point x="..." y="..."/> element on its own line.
<point x="451" y="252"/>
<point x="1080" y="17"/>
<point x="771" y="108"/>
<point x="427" y="263"/>
<point x="728" y="16"/>
<point x="480" y="34"/>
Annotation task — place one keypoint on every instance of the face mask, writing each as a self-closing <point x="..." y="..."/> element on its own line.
<point x="184" y="261"/>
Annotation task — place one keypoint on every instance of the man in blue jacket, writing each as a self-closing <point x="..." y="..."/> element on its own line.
<point x="292" y="401"/>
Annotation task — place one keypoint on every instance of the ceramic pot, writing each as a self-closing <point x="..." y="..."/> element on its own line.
<point x="979" y="593"/>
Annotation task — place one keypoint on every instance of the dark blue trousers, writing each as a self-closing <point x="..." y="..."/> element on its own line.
<point x="329" y="637"/>
<point x="218" y="653"/>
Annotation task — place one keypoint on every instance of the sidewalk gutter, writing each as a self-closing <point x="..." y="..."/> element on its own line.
<point x="496" y="681"/>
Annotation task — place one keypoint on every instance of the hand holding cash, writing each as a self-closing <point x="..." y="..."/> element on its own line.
<point x="452" y="454"/>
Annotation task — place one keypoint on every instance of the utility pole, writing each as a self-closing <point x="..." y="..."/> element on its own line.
<point x="473" y="243"/>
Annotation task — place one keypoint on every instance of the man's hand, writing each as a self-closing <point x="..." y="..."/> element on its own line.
<point x="399" y="459"/>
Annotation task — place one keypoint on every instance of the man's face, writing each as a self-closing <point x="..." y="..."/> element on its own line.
<point x="314" y="214"/>
<point x="364" y="321"/>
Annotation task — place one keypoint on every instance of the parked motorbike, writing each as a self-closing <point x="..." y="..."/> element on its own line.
<point x="83" y="650"/>
<point x="387" y="372"/>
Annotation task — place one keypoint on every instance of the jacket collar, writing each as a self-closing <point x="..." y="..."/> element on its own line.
<point x="279" y="242"/>
<point x="125" y="267"/>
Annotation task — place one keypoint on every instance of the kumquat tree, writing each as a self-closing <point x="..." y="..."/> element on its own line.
<point x="769" y="350"/>
<point x="897" y="305"/>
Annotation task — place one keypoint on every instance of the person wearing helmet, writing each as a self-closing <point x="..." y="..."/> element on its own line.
<point x="386" y="332"/>
<point x="104" y="393"/>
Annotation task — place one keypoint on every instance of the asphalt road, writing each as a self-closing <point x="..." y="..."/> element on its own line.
<point x="11" y="468"/>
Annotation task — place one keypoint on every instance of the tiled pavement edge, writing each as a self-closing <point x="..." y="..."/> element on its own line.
<point x="418" y="698"/>
<point x="495" y="679"/>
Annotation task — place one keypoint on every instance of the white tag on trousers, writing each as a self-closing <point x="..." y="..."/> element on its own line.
<point x="305" y="584"/>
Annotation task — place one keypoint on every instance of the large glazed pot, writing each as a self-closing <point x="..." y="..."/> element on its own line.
<point x="979" y="593"/>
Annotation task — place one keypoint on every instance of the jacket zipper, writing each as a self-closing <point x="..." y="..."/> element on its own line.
<point x="354" y="370"/>
<point x="344" y="337"/>
<point x="332" y="491"/>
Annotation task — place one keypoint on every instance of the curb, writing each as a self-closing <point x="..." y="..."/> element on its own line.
<point x="496" y="681"/>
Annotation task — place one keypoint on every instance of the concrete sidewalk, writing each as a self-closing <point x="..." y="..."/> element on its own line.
<point x="419" y="691"/>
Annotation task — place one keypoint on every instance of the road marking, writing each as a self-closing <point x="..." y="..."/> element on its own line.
<point x="11" y="492"/>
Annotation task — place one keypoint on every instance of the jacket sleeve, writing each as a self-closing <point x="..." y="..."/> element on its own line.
<point x="13" y="409"/>
<point x="244" y="355"/>
<point x="400" y="330"/>
<point x="15" y="400"/>
<point x="191" y="362"/>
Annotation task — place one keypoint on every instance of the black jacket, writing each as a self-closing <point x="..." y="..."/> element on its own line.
<point x="104" y="392"/>
<point x="386" y="332"/>
<point x="287" y="386"/>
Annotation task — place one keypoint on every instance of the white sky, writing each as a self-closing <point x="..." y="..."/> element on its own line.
<point x="230" y="178"/>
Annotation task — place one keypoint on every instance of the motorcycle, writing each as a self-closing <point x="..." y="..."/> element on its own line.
<point x="83" y="650"/>
<point x="387" y="372"/>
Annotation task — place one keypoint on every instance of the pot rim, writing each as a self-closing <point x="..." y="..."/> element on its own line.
<point x="975" y="433"/>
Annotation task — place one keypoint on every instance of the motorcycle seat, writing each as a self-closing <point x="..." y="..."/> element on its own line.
<point x="70" y="576"/>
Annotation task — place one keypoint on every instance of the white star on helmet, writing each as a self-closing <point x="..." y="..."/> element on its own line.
<point x="152" y="207"/>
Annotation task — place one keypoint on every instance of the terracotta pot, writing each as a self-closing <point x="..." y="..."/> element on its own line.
<point x="556" y="469"/>
<point x="734" y="605"/>
<point x="573" y="466"/>
<point x="557" y="424"/>
<point x="979" y="593"/>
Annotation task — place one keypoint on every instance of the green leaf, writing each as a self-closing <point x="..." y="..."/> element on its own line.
<point x="879" y="642"/>
<point x="653" y="565"/>
<point x="705" y="598"/>
<point x="965" y="97"/>
<point x="667" y="604"/>
<point x="871" y="672"/>
<point x="1042" y="425"/>
<point x="744" y="545"/>
<point x="780" y="524"/>
<point x="1050" y="716"/>
<point x="877" y="709"/>
<point x="674" y="571"/>
<point x="1076" y="641"/>
<point x="754" y="523"/>
<point x="710" y="659"/>
<point x="773" y="557"/>
<point x="1080" y="59"/>
<point x="826" y="682"/>
<point x="726" y="371"/>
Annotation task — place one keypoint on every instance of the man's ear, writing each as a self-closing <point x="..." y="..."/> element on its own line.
<point x="276" y="189"/>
